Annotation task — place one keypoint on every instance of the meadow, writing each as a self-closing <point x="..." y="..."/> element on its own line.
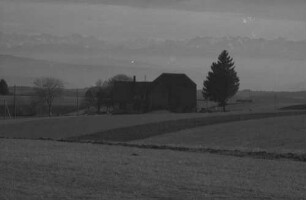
<point x="148" y="130"/>
<point x="69" y="126"/>
<point x="119" y="127"/>
<point x="155" y="156"/>
<point x="281" y="134"/>
<point x="55" y="170"/>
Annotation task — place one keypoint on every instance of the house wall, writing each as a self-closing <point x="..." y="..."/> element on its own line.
<point x="183" y="99"/>
<point x="158" y="98"/>
<point x="175" y="98"/>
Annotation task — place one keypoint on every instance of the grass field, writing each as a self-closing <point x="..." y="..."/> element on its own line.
<point x="39" y="169"/>
<point x="117" y="127"/>
<point x="62" y="127"/>
<point x="281" y="134"/>
<point x="53" y="170"/>
<point x="143" y="131"/>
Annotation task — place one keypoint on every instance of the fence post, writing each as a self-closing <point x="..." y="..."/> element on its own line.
<point x="4" y="109"/>
<point x="15" y="101"/>
<point x="77" y="96"/>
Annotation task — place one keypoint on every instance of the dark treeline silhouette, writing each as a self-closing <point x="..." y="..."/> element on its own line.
<point x="220" y="85"/>
<point x="101" y="94"/>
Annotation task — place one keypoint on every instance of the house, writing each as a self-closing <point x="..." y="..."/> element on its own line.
<point x="131" y="96"/>
<point x="173" y="92"/>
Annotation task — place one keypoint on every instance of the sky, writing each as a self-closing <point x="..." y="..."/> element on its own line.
<point x="129" y="20"/>
<point x="116" y="20"/>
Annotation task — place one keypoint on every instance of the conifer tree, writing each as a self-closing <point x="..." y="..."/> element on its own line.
<point x="222" y="81"/>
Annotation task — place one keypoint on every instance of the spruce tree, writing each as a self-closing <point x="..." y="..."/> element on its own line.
<point x="222" y="81"/>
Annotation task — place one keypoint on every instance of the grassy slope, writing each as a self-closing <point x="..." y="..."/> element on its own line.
<point x="148" y="130"/>
<point x="53" y="170"/>
<point x="282" y="134"/>
<point x="62" y="127"/>
<point x="118" y="127"/>
<point x="98" y="126"/>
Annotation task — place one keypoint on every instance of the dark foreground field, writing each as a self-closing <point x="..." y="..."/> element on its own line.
<point x="57" y="170"/>
<point x="39" y="169"/>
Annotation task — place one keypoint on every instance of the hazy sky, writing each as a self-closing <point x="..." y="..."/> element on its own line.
<point x="156" y="19"/>
<point x="121" y="20"/>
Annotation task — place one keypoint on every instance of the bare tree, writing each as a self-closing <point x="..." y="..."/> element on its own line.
<point x="111" y="82"/>
<point x="91" y="97"/>
<point x="106" y="94"/>
<point x="47" y="88"/>
<point x="100" y="83"/>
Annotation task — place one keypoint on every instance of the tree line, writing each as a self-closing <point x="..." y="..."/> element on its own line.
<point x="102" y="93"/>
<point x="220" y="85"/>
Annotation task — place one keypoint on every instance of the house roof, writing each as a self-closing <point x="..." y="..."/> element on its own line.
<point x="175" y="78"/>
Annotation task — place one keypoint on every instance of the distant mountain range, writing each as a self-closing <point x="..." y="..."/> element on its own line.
<point x="80" y="61"/>
<point x="198" y="46"/>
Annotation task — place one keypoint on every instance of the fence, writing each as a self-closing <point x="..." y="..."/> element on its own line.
<point x="24" y="102"/>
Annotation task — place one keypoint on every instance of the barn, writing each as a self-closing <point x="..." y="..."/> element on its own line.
<point x="169" y="91"/>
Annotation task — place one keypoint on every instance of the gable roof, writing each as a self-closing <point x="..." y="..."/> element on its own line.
<point x="174" y="79"/>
